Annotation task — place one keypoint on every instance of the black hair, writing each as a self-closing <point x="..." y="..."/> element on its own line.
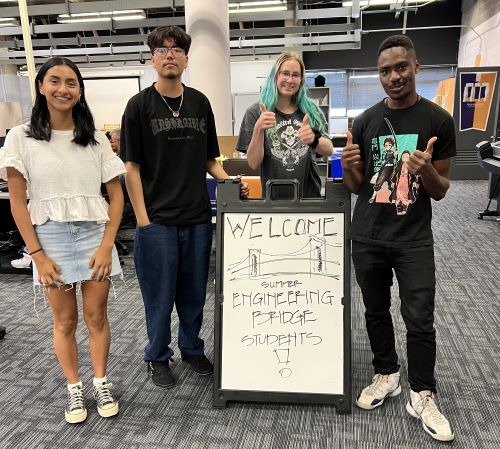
<point x="389" y="140"/>
<point x="174" y="33"/>
<point x="397" y="40"/>
<point x="39" y="126"/>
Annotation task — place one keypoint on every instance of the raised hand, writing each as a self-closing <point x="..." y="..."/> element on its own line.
<point x="306" y="134"/>
<point x="421" y="161"/>
<point x="266" y="119"/>
<point x="351" y="154"/>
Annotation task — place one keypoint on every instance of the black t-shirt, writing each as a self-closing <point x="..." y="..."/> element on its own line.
<point x="172" y="153"/>
<point x="285" y="156"/>
<point x="393" y="209"/>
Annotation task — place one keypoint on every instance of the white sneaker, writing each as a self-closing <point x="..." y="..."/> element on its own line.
<point x="383" y="386"/>
<point x="422" y="406"/>
<point x="23" y="262"/>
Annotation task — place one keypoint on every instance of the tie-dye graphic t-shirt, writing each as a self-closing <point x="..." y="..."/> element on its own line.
<point x="393" y="208"/>
<point x="285" y="156"/>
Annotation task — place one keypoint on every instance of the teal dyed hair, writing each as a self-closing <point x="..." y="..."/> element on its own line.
<point x="269" y="93"/>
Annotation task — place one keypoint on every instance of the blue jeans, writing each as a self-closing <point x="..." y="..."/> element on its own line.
<point x="172" y="267"/>
<point x="415" y="272"/>
<point x="71" y="245"/>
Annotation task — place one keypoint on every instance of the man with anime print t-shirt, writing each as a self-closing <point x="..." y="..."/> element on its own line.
<point x="387" y="239"/>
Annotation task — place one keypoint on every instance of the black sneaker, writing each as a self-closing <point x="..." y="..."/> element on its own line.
<point x="75" y="411"/>
<point x="161" y="375"/>
<point x="107" y="406"/>
<point x="199" y="363"/>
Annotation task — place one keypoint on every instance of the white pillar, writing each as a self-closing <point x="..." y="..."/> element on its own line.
<point x="28" y="47"/>
<point x="207" y="22"/>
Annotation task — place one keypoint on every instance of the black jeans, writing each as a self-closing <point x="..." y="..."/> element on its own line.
<point x="415" y="272"/>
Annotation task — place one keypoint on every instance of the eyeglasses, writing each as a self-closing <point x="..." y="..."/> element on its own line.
<point x="287" y="75"/>
<point x="163" y="51"/>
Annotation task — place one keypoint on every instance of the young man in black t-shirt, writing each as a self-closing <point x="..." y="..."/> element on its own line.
<point x="170" y="143"/>
<point x="394" y="232"/>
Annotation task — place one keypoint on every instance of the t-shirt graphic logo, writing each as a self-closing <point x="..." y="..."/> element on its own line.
<point x="287" y="147"/>
<point x="167" y="124"/>
<point x="392" y="182"/>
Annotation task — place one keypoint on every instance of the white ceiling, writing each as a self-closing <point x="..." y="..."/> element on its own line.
<point x="306" y="25"/>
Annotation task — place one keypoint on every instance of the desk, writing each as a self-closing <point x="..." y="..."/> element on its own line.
<point x="493" y="167"/>
<point x="491" y="164"/>
<point x="10" y="243"/>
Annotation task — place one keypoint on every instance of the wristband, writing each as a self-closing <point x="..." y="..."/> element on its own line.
<point x="317" y="136"/>
<point x="36" y="251"/>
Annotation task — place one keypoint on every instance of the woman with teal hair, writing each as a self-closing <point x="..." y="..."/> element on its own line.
<point x="284" y="131"/>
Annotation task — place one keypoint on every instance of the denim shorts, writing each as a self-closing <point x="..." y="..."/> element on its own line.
<point x="71" y="245"/>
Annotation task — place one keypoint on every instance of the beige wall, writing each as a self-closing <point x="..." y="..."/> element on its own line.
<point x="10" y="115"/>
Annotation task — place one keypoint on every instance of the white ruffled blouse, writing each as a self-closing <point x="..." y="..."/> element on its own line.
<point x="63" y="178"/>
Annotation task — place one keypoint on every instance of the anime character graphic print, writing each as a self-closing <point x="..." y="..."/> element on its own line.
<point x="286" y="146"/>
<point x="392" y="182"/>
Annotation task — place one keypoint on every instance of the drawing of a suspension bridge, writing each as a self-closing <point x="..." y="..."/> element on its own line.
<point x="312" y="259"/>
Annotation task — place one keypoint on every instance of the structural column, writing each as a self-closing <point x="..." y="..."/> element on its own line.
<point x="208" y="66"/>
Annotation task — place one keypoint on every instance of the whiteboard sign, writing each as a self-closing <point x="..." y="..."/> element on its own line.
<point x="282" y="311"/>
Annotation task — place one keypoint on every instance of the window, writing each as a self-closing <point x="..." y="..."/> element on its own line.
<point x="337" y="82"/>
<point x="351" y="92"/>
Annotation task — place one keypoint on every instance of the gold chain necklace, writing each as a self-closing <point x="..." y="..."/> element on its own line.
<point x="175" y="114"/>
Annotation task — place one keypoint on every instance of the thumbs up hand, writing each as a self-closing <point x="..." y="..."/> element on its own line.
<point x="421" y="161"/>
<point x="266" y="119"/>
<point x="306" y="134"/>
<point x="351" y="154"/>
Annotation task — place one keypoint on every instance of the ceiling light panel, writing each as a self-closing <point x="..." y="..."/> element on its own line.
<point x="134" y="14"/>
<point x="391" y="3"/>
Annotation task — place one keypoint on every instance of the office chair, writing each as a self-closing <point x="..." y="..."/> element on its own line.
<point x="127" y="221"/>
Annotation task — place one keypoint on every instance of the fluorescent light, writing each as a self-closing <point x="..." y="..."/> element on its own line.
<point x="252" y="4"/>
<point x="385" y="2"/>
<point x="135" y="14"/>
<point x="262" y="9"/>
<point x="257" y="6"/>
<point x="83" y="19"/>
<point x="8" y="22"/>
<point x="362" y="76"/>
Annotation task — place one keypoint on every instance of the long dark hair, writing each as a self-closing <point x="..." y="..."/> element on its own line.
<point x="39" y="126"/>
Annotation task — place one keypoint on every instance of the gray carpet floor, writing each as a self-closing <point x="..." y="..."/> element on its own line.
<point x="32" y="395"/>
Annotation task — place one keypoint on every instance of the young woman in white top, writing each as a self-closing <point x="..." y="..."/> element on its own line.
<point x="68" y="228"/>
